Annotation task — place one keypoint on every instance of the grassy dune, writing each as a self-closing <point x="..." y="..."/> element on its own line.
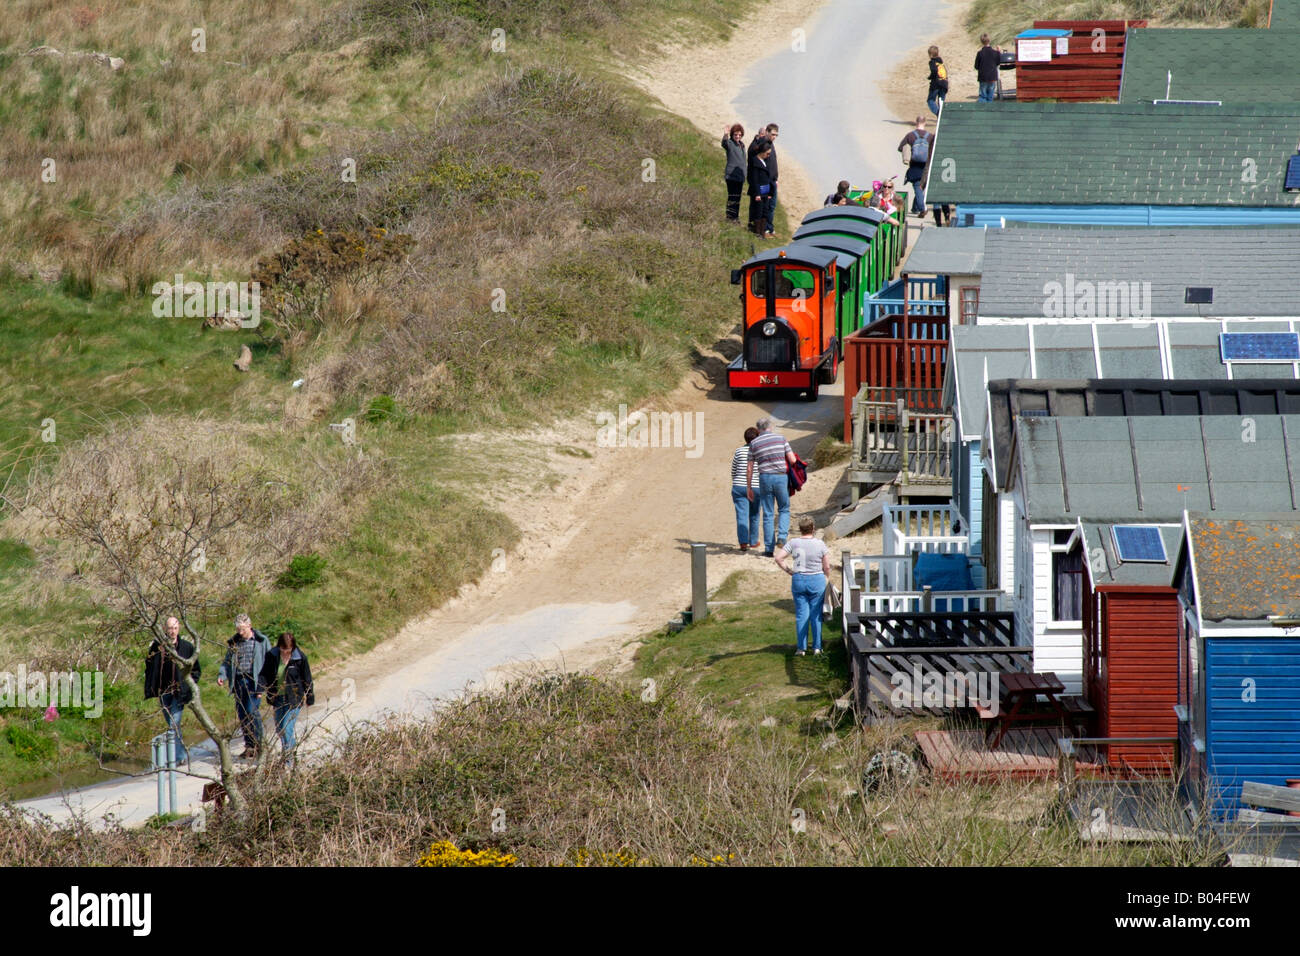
<point x="547" y="272"/>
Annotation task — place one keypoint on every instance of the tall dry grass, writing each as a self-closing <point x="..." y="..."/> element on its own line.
<point x="561" y="769"/>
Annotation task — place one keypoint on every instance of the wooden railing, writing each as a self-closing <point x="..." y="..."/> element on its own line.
<point x="908" y="529"/>
<point x="918" y="296"/>
<point x="896" y="356"/>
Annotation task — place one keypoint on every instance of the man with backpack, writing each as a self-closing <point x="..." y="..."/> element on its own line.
<point x="938" y="81"/>
<point x="918" y="144"/>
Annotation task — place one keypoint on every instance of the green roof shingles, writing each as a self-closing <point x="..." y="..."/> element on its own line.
<point x="1230" y="65"/>
<point x="1108" y="154"/>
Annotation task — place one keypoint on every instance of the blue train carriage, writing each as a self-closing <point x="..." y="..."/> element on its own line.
<point x="791" y="302"/>
<point x="1239" y="668"/>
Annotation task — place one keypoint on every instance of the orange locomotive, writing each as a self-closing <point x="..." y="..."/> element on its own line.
<point x="790" y="321"/>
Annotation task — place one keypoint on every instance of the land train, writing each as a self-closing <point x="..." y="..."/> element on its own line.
<point x="799" y="301"/>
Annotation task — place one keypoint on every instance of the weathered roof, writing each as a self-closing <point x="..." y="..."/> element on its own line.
<point x="796" y="252"/>
<point x="1284" y="15"/>
<point x="1139" y="271"/>
<point x="1152" y="468"/>
<point x="1229" y="65"/>
<point x="948" y="252"/>
<point x="1246" y="567"/>
<point x="1186" y="349"/>
<point x="1107" y="153"/>
<point x="1105" y="568"/>
<point x="1009" y="400"/>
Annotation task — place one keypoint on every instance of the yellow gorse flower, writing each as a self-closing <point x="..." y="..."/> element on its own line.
<point x="446" y="853"/>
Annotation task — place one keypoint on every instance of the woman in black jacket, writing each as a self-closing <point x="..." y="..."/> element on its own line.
<point x="287" y="676"/>
<point x="733" y="142"/>
<point x="760" y="192"/>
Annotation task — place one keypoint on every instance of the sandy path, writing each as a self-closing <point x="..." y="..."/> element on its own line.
<point x="605" y="555"/>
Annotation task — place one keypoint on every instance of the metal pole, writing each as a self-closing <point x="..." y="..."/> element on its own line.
<point x="158" y="766"/>
<point x="699" y="584"/>
<point x="171" y="769"/>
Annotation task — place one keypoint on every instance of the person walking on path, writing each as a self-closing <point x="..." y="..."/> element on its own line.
<point x="771" y="456"/>
<point x="987" y="61"/>
<point x="809" y="569"/>
<point x="287" y="678"/>
<point x="241" y="671"/>
<point x="733" y="143"/>
<point x="938" y="82"/>
<point x="748" y="507"/>
<point x="162" y="679"/>
<point x="918" y="143"/>
<point x="760" y="193"/>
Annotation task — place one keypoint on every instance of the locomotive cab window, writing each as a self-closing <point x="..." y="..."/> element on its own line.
<point x="787" y="281"/>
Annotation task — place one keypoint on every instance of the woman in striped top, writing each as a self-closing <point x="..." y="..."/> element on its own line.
<point x="747" y="511"/>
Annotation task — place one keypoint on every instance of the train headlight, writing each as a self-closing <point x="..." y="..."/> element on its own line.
<point x="769" y="328"/>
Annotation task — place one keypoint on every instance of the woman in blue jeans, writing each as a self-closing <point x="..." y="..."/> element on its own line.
<point x="287" y="677"/>
<point x="747" y="511"/>
<point x="810" y="565"/>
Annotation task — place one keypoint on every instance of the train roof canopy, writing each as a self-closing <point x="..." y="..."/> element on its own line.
<point x="863" y="213"/>
<point x="838" y="227"/>
<point x="854" y="248"/>
<point x="795" y="253"/>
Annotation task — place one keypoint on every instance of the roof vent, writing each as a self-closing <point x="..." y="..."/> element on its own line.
<point x="1198" y="295"/>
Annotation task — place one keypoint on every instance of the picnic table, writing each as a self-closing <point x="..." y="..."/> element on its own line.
<point x="1019" y="703"/>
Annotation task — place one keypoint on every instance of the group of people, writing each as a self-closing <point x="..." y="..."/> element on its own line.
<point x="251" y="669"/>
<point x="760" y="483"/>
<point x="757" y="166"/>
<point x="988" y="60"/>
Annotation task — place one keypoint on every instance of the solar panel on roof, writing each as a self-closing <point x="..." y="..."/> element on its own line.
<point x="1139" y="542"/>
<point x="1259" y="346"/>
<point x="1292" y="173"/>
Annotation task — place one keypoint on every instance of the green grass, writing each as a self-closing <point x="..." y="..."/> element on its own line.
<point x="741" y="661"/>
<point x="619" y="310"/>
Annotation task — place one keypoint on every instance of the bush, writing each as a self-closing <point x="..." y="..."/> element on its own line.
<point x="382" y="408"/>
<point x="28" y="745"/>
<point x="303" y="571"/>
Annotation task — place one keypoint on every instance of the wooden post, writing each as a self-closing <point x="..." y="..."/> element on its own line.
<point x="927" y="599"/>
<point x="901" y="422"/>
<point x="1065" y="770"/>
<point x="699" y="583"/>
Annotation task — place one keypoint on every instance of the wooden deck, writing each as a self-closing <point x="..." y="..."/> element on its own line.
<point x="1024" y="754"/>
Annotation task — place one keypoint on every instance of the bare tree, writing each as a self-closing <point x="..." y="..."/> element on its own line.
<point x="167" y="537"/>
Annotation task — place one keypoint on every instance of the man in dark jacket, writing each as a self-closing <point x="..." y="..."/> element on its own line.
<point x="986" y="68"/>
<point x="242" y="671"/>
<point x="162" y="679"/>
<point x="768" y="135"/>
<point x="760" y="193"/>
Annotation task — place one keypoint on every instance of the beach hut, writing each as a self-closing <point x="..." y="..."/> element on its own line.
<point x="1139" y="470"/>
<point x="1115" y="164"/>
<point x="1239" y="655"/>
